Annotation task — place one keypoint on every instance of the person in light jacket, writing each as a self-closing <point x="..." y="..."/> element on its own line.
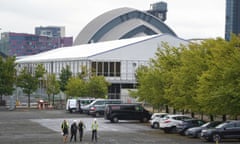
<point x="94" y="130"/>
<point x="65" y="128"/>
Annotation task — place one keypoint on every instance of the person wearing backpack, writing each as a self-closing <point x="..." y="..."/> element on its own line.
<point x="65" y="128"/>
<point x="74" y="131"/>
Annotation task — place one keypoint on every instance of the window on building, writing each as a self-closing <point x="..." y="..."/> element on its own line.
<point x="108" y="69"/>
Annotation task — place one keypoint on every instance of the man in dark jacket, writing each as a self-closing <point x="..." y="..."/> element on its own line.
<point x="74" y="131"/>
<point x="81" y="126"/>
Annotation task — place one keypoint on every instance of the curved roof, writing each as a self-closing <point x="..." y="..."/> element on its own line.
<point x="121" y="23"/>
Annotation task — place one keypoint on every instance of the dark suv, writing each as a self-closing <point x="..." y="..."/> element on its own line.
<point x="116" y="112"/>
<point x="226" y="130"/>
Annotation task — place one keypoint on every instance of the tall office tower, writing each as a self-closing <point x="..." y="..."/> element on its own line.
<point x="159" y="10"/>
<point x="50" y="31"/>
<point x="232" y="24"/>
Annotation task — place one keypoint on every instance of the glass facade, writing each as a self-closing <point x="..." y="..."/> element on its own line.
<point x="232" y="18"/>
<point x="121" y="74"/>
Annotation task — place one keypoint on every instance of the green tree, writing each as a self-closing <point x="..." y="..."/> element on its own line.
<point x="40" y="71"/>
<point x="218" y="90"/>
<point x="97" y="87"/>
<point x="84" y="73"/>
<point x="52" y="87"/>
<point x="185" y="77"/>
<point x="29" y="80"/>
<point x="150" y="88"/>
<point x="167" y="62"/>
<point x="7" y="76"/>
<point x="64" y="77"/>
<point x="76" y="87"/>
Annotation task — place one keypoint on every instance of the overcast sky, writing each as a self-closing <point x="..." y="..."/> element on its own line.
<point x="187" y="18"/>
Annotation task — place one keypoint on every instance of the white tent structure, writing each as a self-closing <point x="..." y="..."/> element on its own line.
<point x="115" y="60"/>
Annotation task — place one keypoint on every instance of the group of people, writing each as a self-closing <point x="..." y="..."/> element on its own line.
<point x="78" y="127"/>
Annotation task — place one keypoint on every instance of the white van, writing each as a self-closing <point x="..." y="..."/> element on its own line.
<point x="71" y="105"/>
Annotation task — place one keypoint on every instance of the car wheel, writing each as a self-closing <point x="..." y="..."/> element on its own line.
<point x="166" y="130"/>
<point x="155" y="125"/>
<point x="97" y="114"/>
<point x="198" y="135"/>
<point x="173" y="129"/>
<point x="185" y="132"/>
<point x="216" y="138"/>
<point x="115" y="119"/>
<point x="144" y="120"/>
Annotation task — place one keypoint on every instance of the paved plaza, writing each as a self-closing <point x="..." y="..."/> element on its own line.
<point x="34" y="126"/>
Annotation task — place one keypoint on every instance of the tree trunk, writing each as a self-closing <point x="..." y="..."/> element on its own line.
<point x="53" y="99"/>
<point x="174" y="111"/>
<point x="49" y="102"/>
<point x="29" y="100"/>
<point x="211" y="118"/>
<point x="183" y="112"/>
<point x="224" y="117"/>
<point x="167" y="109"/>
<point x="192" y="114"/>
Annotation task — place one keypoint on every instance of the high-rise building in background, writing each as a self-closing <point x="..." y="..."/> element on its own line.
<point x="232" y="18"/>
<point x="22" y="44"/>
<point x="159" y="10"/>
<point x="50" y="31"/>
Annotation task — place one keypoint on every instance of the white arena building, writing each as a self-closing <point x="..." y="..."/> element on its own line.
<point x="116" y="60"/>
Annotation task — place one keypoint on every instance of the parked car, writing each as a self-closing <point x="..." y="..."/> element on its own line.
<point x="188" y="123"/>
<point x="161" y="115"/>
<point x="116" y="112"/>
<point x="98" y="108"/>
<point x="226" y="130"/>
<point x="196" y="131"/>
<point x="169" y="122"/>
<point x="84" y="101"/>
<point x="155" y="119"/>
<point x="75" y="104"/>
<point x="97" y="102"/>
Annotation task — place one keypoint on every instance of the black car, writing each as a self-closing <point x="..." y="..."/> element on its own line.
<point x="116" y="112"/>
<point x="226" y="130"/>
<point x="188" y="123"/>
<point x="196" y="131"/>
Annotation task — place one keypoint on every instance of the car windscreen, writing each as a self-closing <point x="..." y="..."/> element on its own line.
<point x="222" y="125"/>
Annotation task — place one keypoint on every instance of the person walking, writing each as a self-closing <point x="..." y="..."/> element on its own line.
<point x="81" y="126"/>
<point x="74" y="131"/>
<point x="94" y="130"/>
<point x="65" y="128"/>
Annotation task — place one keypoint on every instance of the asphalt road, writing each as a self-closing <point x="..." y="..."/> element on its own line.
<point x="43" y="127"/>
